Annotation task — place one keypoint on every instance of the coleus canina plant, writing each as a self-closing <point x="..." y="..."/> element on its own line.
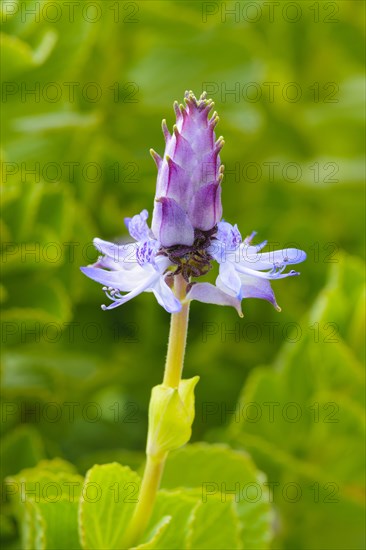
<point x="187" y="235"/>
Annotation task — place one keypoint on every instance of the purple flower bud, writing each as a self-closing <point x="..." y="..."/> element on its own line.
<point x="188" y="189"/>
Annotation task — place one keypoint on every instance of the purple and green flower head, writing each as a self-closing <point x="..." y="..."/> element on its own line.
<point x="187" y="234"/>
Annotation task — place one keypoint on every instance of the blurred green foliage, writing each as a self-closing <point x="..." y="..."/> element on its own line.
<point x="312" y="435"/>
<point x="103" y="80"/>
<point x="61" y="510"/>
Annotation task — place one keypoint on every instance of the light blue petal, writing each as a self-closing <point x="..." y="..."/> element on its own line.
<point x="138" y="227"/>
<point x="210" y="294"/>
<point x="125" y="280"/>
<point x="147" y="284"/>
<point x="229" y="235"/>
<point x="252" y="287"/>
<point x="264" y="274"/>
<point x="253" y="249"/>
<point x="230" y="277"/>
<point x="119" y="253"/>
<point x="146" y="252"/>
<point x="165" y="296"/>
<point x="266" y="260"/>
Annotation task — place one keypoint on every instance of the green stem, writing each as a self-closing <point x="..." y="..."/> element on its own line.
<point x="172" y="376"/>
<point x="177" y="339"/>
<point x="149" y="487"/>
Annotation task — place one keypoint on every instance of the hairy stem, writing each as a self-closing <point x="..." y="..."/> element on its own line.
<point x="177" y="339"/>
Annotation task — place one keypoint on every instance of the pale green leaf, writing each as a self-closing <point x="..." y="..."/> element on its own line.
<point x="178" y="507"/>
<point x="45" y="500"/>
<point x="215" y="526"/>
<point x="60" y="521"/>
<point x="216" y="469"/>
<point x="108" y="500"/>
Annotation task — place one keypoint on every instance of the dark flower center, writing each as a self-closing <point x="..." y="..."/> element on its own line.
<point x="192" y="261"/>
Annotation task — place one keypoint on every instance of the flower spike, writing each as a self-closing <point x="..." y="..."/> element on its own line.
<point x="187" y="231"/>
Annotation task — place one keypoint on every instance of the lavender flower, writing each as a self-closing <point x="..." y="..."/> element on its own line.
<point x="187" y="233"/>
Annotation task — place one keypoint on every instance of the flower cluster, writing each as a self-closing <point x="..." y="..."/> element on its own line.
<point x="187" y="232"/>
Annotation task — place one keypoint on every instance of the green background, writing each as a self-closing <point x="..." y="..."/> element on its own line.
<point x="103" y="80"/>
